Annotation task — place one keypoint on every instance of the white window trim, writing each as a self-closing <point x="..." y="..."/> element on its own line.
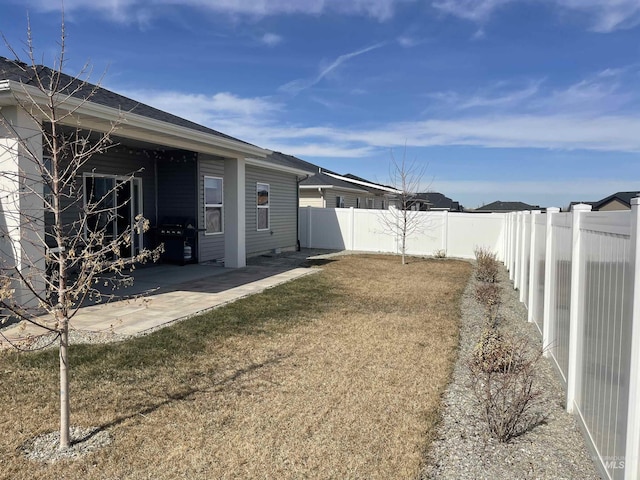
<point x="123" y="178"/>
<point x="214" y="205"/>
<point x="339" y="201"/>
<point x="358" y="202"/>
<point x="267" y="207"/>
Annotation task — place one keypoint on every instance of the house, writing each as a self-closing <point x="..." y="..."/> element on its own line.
<point x="434" y="201"/>
<point x="617" y="201"/>
<point x="499" y="206"/>
<point x="327" y="189"/>
<point x="234" y="198"/>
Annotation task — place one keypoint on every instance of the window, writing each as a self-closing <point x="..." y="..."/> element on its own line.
<point x="339" y="202"/>
<point x="262" y="202"/>
<point x="382" y="206"/>
<point x="213" y="196"/>
<point x="369" y="202"/>
<point x="358" y="202"/>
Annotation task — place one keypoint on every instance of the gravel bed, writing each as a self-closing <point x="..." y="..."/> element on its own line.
<point x="44" y="448"/>
<point x="554" y="449"/>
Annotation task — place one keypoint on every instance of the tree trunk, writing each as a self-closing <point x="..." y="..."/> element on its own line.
<point x="64" y="385"/>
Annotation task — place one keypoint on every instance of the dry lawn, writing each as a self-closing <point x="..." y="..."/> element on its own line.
<point x="335" y="375"/>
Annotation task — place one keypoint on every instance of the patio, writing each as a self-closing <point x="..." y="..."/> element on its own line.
<point x="163" y="294"/>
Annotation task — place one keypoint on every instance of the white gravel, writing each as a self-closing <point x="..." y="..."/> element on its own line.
<point x="44" y="448"/>
<point x="463" y="448"/>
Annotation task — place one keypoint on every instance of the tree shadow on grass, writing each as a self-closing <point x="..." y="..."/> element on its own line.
<point x="185" y="394"/>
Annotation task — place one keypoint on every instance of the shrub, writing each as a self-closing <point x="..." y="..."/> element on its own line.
<point x="486" y="264"/>
<point x="440" y="254"/>
<point x="502" y="371"/>
<point x="488" y="295"/>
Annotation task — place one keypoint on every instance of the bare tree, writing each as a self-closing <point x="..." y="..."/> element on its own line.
<point x="62" y="235"/>
<point x="403" y="220"/>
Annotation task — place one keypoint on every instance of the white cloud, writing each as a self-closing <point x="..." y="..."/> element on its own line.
<point x="474" y="10"/>
<point x="121" y="10"/>
<point x="604" y="15"/>
<point x="205" y="109"/>
<point x="271" y="39"/>
<point x="296" y="86"/>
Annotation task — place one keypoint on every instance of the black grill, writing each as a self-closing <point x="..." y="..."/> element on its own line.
<point x="179" y="236"/>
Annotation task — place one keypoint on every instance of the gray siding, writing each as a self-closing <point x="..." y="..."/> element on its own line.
<point x="283" y="211"/>
<point x="349" y="198"/>
<point x="211" y="247"/>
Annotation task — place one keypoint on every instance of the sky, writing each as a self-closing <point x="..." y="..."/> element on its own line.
<point x="513" y="100"/>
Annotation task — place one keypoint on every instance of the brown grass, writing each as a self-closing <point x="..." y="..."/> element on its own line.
<point x="335" y="375"/>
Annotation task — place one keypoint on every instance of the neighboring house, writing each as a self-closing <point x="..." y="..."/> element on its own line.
<point x="326" y="189"/>
<point x="323" y="190"/>
<point x="235" y="199"/>
<point x="617" y="201"/>
<point x="434" y="201"/>
<point x="499" y="206"/>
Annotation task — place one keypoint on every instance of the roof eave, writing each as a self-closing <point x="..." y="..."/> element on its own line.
<point x="272" y="166"/>
<point x="135" y="126"/>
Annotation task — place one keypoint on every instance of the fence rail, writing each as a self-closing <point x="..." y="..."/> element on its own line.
<point x="578" y="274"/>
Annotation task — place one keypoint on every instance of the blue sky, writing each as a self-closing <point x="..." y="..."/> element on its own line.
<point x="530" y="100"/>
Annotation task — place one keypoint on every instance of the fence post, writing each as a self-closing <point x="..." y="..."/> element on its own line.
<point x="514" y="244"/>
<point x="445" y="232"/>
<point x="533" y="269"/>
<point x="352" y="227"/>
<point x="523" y="256"/>
<point x="309" y="227"/>
<point x="632" y="446"/>
<point x="549" y="282"/>
<point x="576" y="307"/>
<point x="518" y="250"/>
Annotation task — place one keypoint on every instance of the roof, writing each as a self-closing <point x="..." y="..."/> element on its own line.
<point x="499" y="206"/>
<point x="289" y="161"/>
<point x="323" y="180"/>
<point x="623" y="197"/>
<point x="26" y="75"/>
<point x="373" y="187"/>
<point x="437" y="200"/>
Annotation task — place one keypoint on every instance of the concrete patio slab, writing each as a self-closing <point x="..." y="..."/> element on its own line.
<point x="163" y="294"/>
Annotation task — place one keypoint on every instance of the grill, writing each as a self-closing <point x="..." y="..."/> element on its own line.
<point x="179" y="237"/>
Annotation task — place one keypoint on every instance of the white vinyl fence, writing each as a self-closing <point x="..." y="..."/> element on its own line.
<point x="578" y="274"/>
<point x="455" y="234"/>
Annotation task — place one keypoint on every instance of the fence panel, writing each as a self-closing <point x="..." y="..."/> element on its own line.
<point x="372" y="233"/>
<point x="538" y="255"/>
<point x="606" y="339"/>
<point x="470" y="230"/>
<point x="560" y="292"/>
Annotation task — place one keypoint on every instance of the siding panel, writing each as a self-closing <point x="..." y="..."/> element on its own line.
<point x="283" y="211"/>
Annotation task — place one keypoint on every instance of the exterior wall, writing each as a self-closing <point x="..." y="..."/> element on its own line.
<point x="282" y="231"/>
<point x="311" y="198"/>
<point x="330" y="196"/>
<point x="613" y="205"/>
<point x="211" y="247"/>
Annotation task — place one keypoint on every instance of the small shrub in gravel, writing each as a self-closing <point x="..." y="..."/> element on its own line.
<point x="488" y="295"/>
<point x="503" y="371"/>
<point x="487" y="265"/>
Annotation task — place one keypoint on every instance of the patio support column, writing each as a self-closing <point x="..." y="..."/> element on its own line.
<point x="235" y="254"/>
<point x="21" y="207"/>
